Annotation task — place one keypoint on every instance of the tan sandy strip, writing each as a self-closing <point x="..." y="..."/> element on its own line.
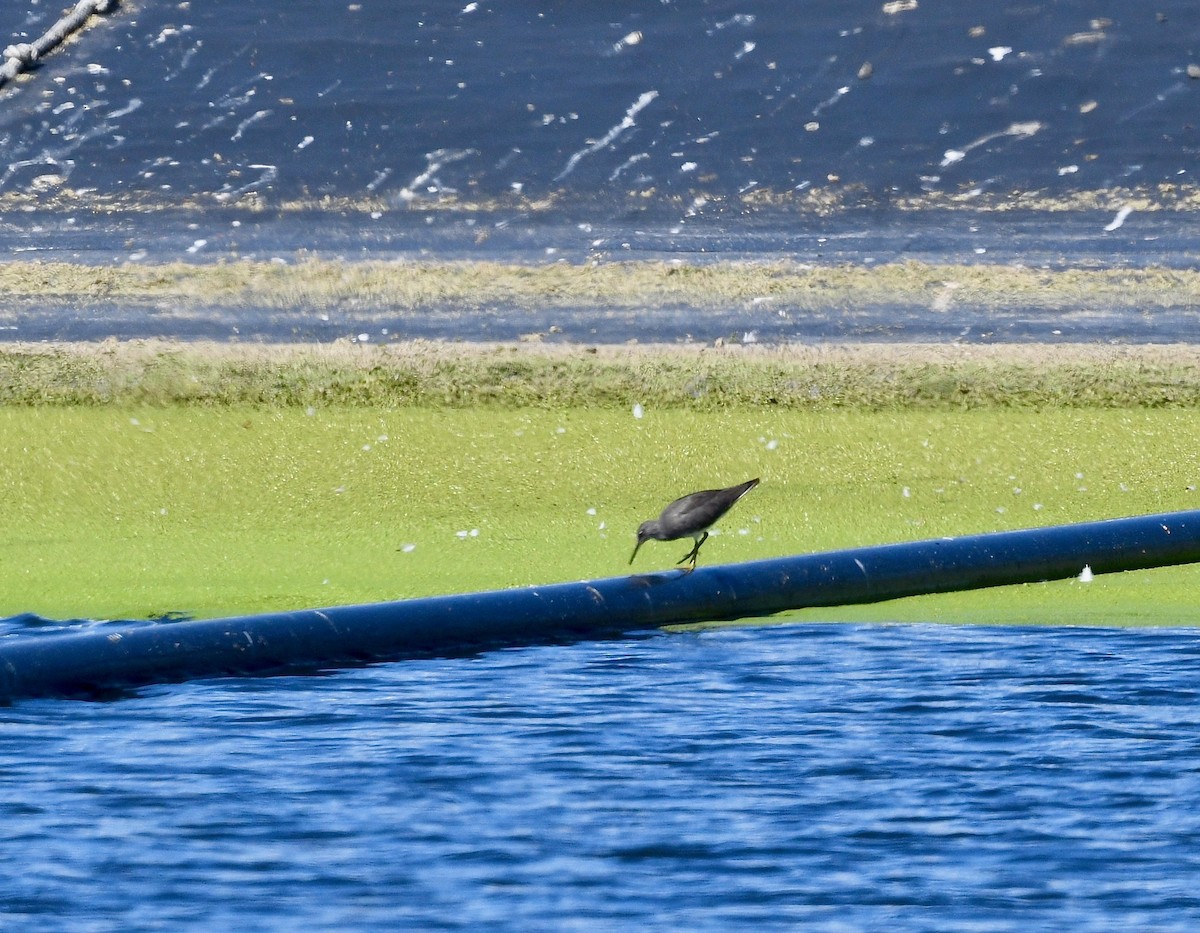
<point x="432" y="351"/>
<point x="401" y="285"/>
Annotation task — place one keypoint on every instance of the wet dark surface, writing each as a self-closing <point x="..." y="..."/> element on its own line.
<point x="409" y="106"/>
<point x="888" y="323"/>
<point x="1052" y="240"/>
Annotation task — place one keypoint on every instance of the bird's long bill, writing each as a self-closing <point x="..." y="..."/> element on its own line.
<point x="635" y="550"/>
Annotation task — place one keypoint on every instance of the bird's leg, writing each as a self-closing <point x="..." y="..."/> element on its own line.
<point x="690" y="555"/>
<point x="693" y="553"/>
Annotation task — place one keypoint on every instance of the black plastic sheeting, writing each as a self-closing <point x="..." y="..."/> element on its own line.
<point x="637" y="128"/>
<point x="116" y="657"/>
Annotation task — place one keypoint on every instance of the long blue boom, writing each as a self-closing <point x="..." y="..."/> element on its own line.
<point x="123" y="655"/>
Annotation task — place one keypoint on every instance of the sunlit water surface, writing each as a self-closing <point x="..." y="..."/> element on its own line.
<point x="805" y="776"/>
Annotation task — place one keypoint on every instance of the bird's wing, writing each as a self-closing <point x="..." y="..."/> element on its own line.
<point x="696" y="506"/>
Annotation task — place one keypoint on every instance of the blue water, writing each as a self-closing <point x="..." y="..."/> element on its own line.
<point x="830" y="777"/>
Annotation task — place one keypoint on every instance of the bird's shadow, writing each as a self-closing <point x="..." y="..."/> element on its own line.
<point x="658" y="578"/>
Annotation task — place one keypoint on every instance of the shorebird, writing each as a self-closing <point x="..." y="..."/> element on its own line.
<point x="691" y="517"/>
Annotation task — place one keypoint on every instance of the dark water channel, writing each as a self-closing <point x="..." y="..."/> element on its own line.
<point x="811" y="776"/>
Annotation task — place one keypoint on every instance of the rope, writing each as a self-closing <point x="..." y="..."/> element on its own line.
<point x="22" y="57"/>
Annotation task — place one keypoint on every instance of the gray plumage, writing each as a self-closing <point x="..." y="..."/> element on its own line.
<point x="691" y="517"/>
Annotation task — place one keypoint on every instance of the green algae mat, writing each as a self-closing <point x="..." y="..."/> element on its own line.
<point x="121" y="509"/>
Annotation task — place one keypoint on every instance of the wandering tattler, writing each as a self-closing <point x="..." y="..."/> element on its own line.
<point x="691" y="517"/>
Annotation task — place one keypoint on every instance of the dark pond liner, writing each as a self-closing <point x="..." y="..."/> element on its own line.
<point x="108" y="659"/>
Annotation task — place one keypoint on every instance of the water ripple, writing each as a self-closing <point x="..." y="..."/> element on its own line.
<point x="830" y="776"/>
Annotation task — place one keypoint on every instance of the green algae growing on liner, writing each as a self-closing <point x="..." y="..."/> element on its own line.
<point x="691" y="377"/>
<point x="131" y="512"/>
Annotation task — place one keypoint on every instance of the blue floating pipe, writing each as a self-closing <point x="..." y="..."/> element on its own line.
<point x="116" y="657"/>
